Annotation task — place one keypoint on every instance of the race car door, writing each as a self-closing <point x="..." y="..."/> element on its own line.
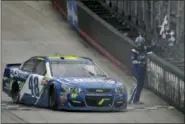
<point x="32" y="90"/>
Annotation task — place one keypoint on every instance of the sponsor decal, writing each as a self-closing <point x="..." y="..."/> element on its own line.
<point x="99" y="91"/>
<point x="98" y="94"/>
<point x="18" y="74"/>
<point x="102" y="101"/>
<point x="90" y="80"/>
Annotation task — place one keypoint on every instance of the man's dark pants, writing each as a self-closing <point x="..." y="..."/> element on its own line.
<point x="135" y="96"/>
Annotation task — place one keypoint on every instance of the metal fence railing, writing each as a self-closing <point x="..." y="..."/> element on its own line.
<point x="166" y="80"/>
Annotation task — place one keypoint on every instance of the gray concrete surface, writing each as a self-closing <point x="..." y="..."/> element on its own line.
<point x="34" y="28"/>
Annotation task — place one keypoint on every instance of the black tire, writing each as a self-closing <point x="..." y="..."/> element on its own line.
<point x="15" y="94"/>
<point x="52" y="98"/>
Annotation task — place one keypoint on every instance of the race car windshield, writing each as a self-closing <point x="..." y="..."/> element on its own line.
<point x="76" y="69"/>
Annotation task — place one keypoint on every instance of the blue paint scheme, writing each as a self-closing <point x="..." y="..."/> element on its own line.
<point x="43" y="101"/>
<point x="92" y="83"/>
<point x="28" y="99"/>
<point x="6" y="72"/>
<point x="83" y="83"/>
<point x="81" y="96"/>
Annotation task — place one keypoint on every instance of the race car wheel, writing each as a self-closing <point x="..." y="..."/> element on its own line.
<point x="15" y="93"/>
<point x="53" y="98"/>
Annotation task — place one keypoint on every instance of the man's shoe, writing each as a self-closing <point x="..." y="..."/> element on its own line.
<point x="138" y="102"/>
<point x="129" y="102"/>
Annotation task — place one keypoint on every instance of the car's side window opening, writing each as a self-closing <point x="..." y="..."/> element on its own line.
<point x="29" y="65"/>
<point x="40" y="67"/>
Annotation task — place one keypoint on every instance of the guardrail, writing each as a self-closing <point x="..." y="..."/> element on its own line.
<point x="163" y="78"/>
<point x="166" y="80"/>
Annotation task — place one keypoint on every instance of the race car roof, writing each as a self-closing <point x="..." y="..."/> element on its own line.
<point x="63" y="58"/>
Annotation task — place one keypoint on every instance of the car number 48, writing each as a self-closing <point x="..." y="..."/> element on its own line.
<point x="33" y="85"/>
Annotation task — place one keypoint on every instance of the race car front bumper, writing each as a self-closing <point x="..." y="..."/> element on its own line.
<point x="95" y="102"/>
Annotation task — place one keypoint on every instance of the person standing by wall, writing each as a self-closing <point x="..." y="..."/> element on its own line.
<point x="138" y="58"/>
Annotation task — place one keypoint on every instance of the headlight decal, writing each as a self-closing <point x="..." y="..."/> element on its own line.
<point x="121" y="89"/>
<point x="78" y="90"/>
<point x="74" y="95"/>
<point x="70" y="89"/>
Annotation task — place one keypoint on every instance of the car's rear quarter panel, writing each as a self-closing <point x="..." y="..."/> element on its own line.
<point x="7" y="80"/>
<point x="9" y="77"/>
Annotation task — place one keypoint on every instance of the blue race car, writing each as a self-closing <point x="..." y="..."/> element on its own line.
<point x="64" y="82"/>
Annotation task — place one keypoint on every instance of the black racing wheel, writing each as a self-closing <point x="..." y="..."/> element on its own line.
<point x="15" y="94"/>
<point x="52" y="98"/>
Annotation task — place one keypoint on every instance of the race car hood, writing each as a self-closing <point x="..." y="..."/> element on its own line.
<point x="104" y="82"/>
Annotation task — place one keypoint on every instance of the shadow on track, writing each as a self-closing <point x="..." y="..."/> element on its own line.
<point x="10" y="106"/>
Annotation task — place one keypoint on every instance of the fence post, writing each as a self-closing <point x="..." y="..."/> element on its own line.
<point x="169" y="13"/>
<point x="152" y="14"/>
<point x="178" y="22"/>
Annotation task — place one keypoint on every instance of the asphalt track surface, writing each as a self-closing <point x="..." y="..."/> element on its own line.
<point x="34" y="28"/>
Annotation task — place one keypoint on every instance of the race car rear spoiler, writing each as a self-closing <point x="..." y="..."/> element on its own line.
<point x="14" y="65"/>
